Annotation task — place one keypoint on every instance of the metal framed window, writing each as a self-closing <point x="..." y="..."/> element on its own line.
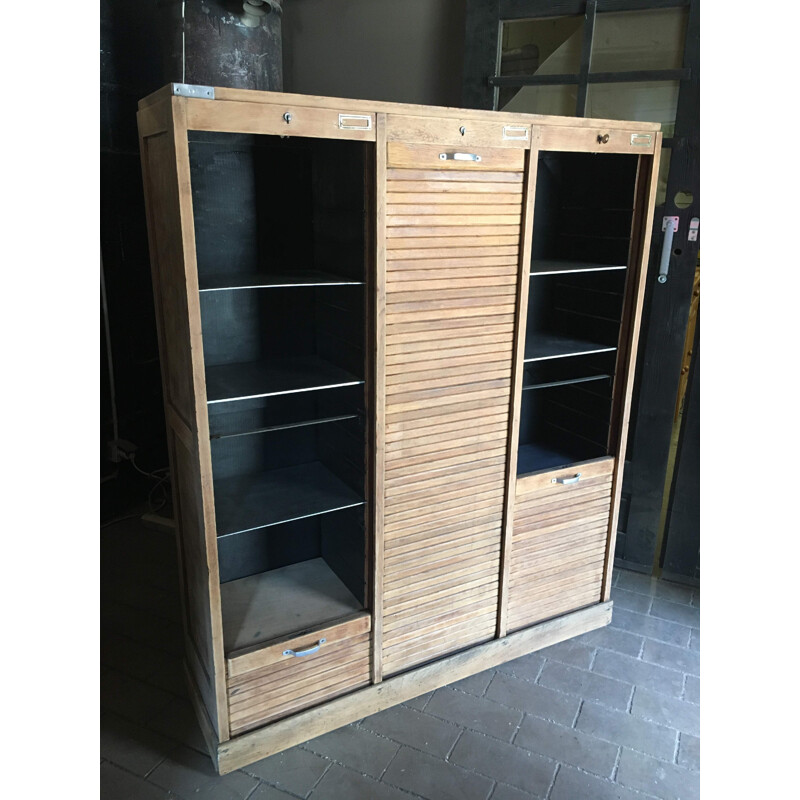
<point x="582" y="64"/>
<point x="615" y="59"/>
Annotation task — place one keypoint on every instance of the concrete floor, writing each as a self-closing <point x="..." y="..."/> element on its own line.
<point x="612" y="714"/>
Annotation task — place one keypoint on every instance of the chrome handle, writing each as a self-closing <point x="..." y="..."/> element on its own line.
<point x="515" y="132"/>
<point x="666" y="249"/>
<point x="567" y="481"/>
<point x="301" y="653"/>
<point x="355" y="122"/>
<point x="459" y="157"/>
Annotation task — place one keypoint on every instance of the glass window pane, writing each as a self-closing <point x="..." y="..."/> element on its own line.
<point x="644" y="101"/>
<point x="633" y="40"/>
<point x="560" y="100"/>
<point x="550" y="46"/>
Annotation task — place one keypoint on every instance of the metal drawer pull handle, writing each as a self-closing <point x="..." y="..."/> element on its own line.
<point x="355" y="122"/>
<point x="566" y="481"/>
<point x="459" y="157"/>
<point x="669" y="227"/>
<point x="301" y="653"/>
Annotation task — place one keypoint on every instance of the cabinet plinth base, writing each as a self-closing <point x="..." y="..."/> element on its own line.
<point x="243" y="750"/>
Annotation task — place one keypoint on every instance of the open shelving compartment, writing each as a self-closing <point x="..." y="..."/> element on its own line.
<point x="576" y="295"/>
<point x="280" y="239"/>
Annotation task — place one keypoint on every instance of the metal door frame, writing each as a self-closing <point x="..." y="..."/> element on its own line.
<point x="666" y="307"/>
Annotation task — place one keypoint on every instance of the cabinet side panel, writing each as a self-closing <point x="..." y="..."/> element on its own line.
<point x="179" y="364"/>
<point x="167" y="264"/>
<point x="195" y="574"/>
<point x="451" y="288"/>
<point x="642" y="230"/>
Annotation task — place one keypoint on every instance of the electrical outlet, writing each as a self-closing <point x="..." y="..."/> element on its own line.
<point x="121" y="450"/>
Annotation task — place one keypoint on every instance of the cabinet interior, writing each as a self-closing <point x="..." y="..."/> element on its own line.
<point x="280" y="238"/>
<point x="583" y="214"/>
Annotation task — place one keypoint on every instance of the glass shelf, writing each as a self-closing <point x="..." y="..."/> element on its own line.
<point x="248" y="502"/>
<point x="542" y="346"/>
<point x="569" y="382"/>
<point x="227" y="382"/>
<point x="286" y="426"/>
<point x="276" y="603"/>
<point x="559" y="267"/>
<point x="536" y="456"/>
<point x="276" y="280"/>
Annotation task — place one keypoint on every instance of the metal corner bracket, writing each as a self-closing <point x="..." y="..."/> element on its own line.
<point x="193" y="90"/>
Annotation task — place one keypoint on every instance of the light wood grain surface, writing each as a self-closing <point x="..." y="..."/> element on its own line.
<point x="450" y="305"/>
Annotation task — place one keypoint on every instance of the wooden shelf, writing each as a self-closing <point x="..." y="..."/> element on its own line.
<point x="248" y="502"/>
<point x="541" y="346"/>
<point x="558" y="267"/>
<point x="229" y="382"/>
<point x="276" y="603"/>
<point x="274" y="280"/>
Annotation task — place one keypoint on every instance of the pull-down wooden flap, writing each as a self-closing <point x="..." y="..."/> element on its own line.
<point x="452" y="253"/>
<point x="296" y="672"/>
<point x="560" y="539"/>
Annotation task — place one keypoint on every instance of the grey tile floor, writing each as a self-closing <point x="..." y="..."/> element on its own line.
<point x="612" y="714"/>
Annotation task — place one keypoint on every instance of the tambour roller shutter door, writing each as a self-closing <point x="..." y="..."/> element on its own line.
<point x="452" y="265"/>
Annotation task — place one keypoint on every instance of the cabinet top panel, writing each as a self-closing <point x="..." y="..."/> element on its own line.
<point x="350" y="106"/>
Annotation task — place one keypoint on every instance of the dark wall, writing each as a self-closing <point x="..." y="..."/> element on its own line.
<point x="404" y="52"/>
<point x="141" y="49"/>
<point x="130" y="67"/>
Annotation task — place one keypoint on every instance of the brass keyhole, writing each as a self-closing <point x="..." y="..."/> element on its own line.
<point x="602" y="138"/>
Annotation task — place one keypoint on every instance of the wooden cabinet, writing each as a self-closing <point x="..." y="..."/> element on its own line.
<point x="397" y="347"/>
